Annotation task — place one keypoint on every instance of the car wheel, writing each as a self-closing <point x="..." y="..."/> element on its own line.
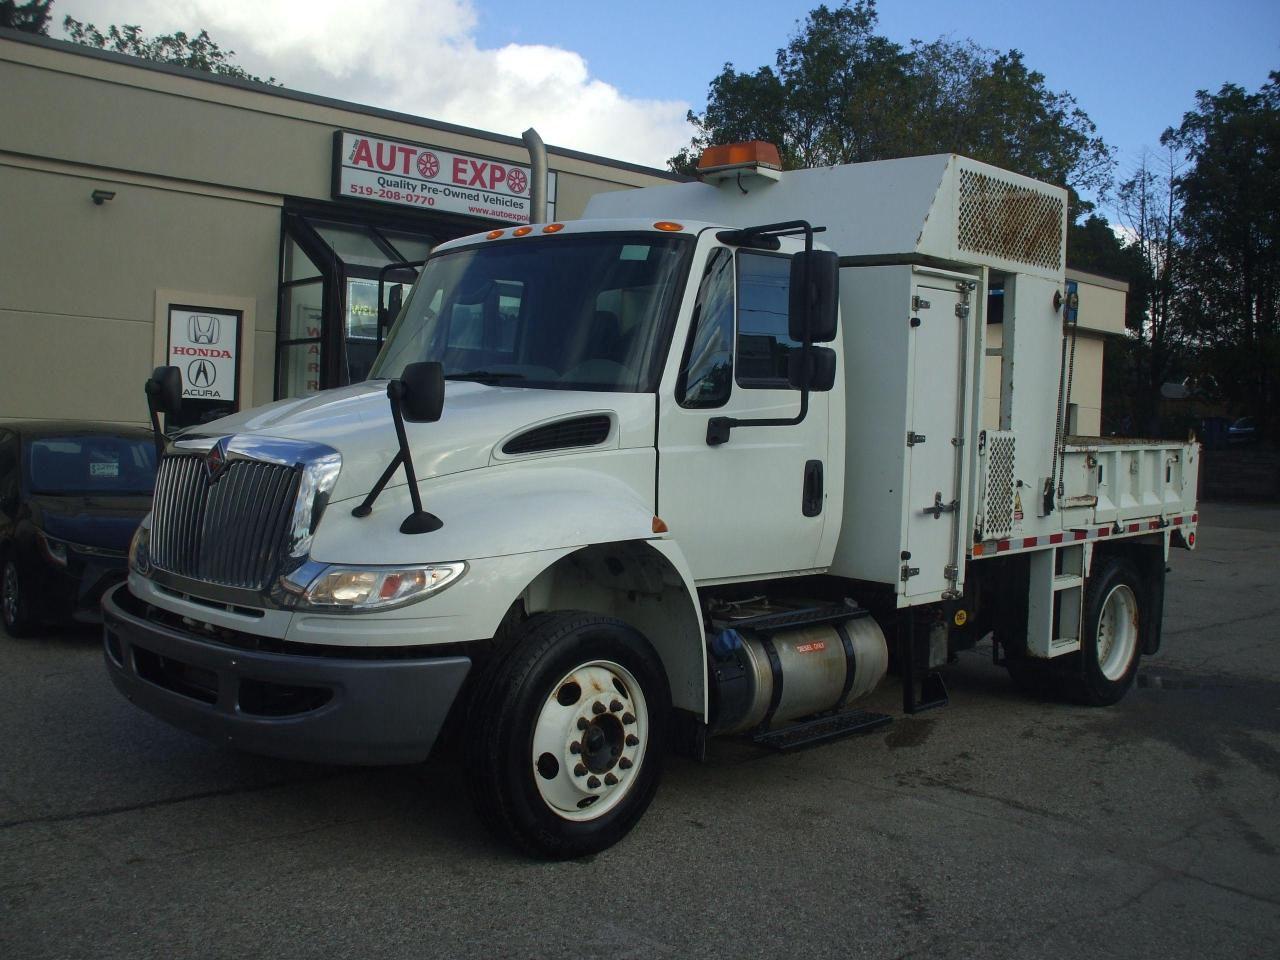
<point x="563" y="747"/>
<point x="13" y="603"/>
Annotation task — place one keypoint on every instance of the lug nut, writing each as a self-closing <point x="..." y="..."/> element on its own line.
<point x="575" y="747"/>
<point x="580" y="770"/>
<point x="633" y="740"/>
<point x="615" y="706"/>
<point x="610" y="780"/>
<point x="628" y="718"/>
<point x="583" y="723"/>
<point x="625" y="763"/>
<point x="593" y="782"/>
<point x="597" y="708"/>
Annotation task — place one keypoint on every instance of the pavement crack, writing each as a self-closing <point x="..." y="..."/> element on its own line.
<point x="166" y="802"/>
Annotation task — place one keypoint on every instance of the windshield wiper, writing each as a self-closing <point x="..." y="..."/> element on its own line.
<point x="485" y="376"/>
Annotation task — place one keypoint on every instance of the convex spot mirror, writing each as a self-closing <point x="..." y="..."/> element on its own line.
<point x="815" y="293"/>
<point x="164" y="390"/>
<point x="819" y="374"/>
<point x="421" y="388"/>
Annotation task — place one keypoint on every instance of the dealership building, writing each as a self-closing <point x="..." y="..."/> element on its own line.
<point x="156" y="215"/>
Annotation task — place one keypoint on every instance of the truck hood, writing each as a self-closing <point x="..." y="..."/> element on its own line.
<point x="477" y="420"/>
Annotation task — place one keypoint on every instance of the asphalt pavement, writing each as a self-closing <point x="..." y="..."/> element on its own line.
<point x="996" y="827"/>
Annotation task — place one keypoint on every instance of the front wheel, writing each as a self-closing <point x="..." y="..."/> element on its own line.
<point x="13" y="602"/>
<point x="564" y="744"/>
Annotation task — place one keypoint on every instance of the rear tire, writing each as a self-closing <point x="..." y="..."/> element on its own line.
<point x="1115" y="612"/>
<point x="564" y="742"/>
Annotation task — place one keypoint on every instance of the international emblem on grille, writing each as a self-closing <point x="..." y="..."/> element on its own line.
<point x="215" y="461"/>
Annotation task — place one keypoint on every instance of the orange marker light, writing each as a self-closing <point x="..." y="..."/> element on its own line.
<point x="553" y="228"/>
<point x="659" y="526"/>
<point x="493" y="234"/>
<point x="521" y="231"/>
<point x="668" y="226"/>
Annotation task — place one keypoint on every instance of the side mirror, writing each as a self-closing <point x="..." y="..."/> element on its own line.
<point x="422" y="392"/>
<point x="819" y="374"/>
<point x="164" y="390"/>
<point x="815" y="294"/>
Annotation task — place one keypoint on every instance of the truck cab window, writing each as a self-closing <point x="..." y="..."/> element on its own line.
<point x="706" y="377"/>
<point x="764" y="286"/>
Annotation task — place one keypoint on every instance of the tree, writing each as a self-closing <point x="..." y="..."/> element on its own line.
<point x="200" y="52"/>
<point x="29" y="17"/>
<point x="1230" y="228"/>
<point x="841" y="93"/>
<point x="1148" y="204"/>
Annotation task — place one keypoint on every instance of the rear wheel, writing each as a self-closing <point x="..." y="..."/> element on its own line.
<point x="1110" y="646"/>
<point x="14" y="606"/>
<point x="564" y="744"/>
<point x="1101" y="673"/>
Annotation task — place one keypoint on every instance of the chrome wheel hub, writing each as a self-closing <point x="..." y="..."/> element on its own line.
<point x="589" y="740"/>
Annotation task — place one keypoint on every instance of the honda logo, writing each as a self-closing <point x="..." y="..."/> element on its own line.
<point x="215" y="461"/>
<point x="201" y="373"/>
<point x="202" y="328"/>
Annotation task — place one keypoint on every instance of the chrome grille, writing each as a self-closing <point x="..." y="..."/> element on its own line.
<point x="230" y="532"/>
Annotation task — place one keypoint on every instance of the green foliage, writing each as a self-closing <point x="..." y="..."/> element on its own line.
<point x="1229" y="227"/>
<point x="200" y="52"/>
<point x="841" y="93"/>
<point x="29" y="17"/>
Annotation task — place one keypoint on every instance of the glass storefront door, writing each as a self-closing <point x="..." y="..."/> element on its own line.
<point x="328" y="326"/>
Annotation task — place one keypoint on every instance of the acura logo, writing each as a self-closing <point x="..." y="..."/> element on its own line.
<point x="215" y="461"/>
<point x="201" y="373"/>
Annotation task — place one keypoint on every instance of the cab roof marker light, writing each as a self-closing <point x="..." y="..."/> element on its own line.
<point x="522" y="231"/>
<point x="553" y="228"/>
<point x="494" y="234"/>
<point x="670" y="226"/>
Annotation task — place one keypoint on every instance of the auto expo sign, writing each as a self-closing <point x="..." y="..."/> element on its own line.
<point x="428" y="178"/>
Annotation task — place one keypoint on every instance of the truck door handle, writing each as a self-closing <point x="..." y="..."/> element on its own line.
<point x="811" y="502"/>
<point x="938" y="508"/>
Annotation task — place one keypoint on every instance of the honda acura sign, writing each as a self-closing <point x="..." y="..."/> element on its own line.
<point x="428" y="178"/>
<point x="203" y="344"/>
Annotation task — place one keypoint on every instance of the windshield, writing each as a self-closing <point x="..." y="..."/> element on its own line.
<point x="586" y="312"/>
<point x="95" y="464"/>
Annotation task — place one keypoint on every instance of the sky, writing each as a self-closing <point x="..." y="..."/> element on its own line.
<point x="617" y="78"/>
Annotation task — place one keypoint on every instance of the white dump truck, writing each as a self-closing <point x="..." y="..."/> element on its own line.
<point x="710" y="461"/>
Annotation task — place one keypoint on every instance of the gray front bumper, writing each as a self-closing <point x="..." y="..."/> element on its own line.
<point x="321" y="709"/>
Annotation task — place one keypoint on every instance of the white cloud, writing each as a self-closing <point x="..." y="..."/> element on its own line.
<point x="420" y="57"/>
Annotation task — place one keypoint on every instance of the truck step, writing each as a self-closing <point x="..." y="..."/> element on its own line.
<point x="820" y="730"/>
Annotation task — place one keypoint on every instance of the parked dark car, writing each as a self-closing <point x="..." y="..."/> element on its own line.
<point x="71" y="497"/>
<point x="1244" y="430"/>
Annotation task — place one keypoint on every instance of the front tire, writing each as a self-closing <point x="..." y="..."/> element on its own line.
<point x="564" y="744"/>
<point x="14" y="605"/>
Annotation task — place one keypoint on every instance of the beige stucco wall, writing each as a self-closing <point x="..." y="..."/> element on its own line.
<point x="200" y="170"/>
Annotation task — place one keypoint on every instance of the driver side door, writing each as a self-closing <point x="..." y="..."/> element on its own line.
<point x="753" y="505"/>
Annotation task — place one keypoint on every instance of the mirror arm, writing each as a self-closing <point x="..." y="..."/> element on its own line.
<point x="419" y="521"/>
<point x="718" y="427"/>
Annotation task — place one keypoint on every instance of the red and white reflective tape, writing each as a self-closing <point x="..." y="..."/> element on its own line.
<point x="1015" y="544"/>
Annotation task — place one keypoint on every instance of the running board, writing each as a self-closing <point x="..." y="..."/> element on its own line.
<point x="820" y="730"/>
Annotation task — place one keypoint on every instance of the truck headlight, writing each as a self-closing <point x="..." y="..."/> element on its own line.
<point x="377" y="588"/>
<point x="140" y="551"/>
